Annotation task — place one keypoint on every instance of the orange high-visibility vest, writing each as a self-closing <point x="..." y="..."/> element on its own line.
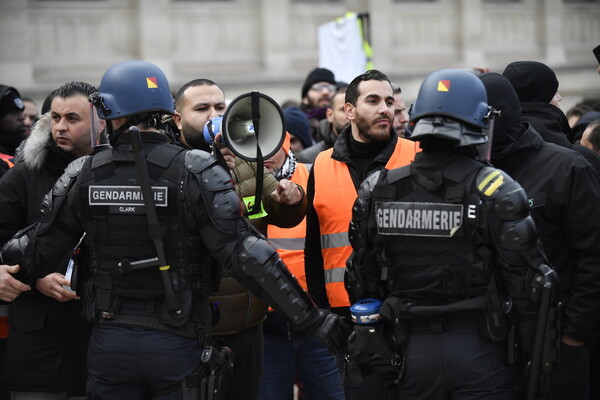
<point x="289" y="242"/>
<point x="333" y="200"/>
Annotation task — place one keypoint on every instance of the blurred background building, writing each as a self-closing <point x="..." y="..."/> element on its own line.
<point x="271" y="45"/>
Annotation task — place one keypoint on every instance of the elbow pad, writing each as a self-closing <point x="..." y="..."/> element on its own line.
<point x="515" y="230"/>
<point x="260" y="262"/>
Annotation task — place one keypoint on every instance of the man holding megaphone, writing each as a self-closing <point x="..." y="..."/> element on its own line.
<point x="283" y="204"/>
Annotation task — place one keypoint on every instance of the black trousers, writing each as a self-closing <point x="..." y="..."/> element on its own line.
<point x="137" y="364"/>
<point x="457" y="364"/>
<point x="247" y="347"/>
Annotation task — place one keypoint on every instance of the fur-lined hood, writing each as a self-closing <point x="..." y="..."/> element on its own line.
<point x="36" y="146"/>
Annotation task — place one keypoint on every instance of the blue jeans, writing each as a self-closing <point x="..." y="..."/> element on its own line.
<point x="302" y="356"/>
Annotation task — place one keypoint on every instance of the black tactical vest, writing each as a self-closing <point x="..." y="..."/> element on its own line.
<point x="118" y="231"/>
<point x="428" y="228"/>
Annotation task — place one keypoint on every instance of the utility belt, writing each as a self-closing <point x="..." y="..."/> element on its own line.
<point x="149" y="314"/>
<point x="442" y="323"/>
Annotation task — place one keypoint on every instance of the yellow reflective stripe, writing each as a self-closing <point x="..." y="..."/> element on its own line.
<point x="487" y="179"/>
<point x="495" y="185"/>
<point x="249" y="203"/>
<point x="165" y="268"/>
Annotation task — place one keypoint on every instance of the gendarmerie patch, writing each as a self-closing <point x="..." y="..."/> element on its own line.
<point x="125" y="199"/>
<point x="418" y="219"/>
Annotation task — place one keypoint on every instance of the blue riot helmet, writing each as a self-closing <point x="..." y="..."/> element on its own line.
<point x="134" y="90"/>
<point x="451" y="105"/>
<point x="134" y="87"/>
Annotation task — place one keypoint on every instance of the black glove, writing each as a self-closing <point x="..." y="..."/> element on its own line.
<point x="332" y="331"/>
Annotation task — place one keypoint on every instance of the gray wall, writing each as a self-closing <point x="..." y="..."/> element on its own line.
<point x="270" y="45"/>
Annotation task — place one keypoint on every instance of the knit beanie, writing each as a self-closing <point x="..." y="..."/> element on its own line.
<point x="317" y="75"/>
<point x="296" y="123"/>
<point x="532" y="80"/>
<point x="10" y="100"/>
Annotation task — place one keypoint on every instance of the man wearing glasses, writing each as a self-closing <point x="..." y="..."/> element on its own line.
<point x="317" y="89"/>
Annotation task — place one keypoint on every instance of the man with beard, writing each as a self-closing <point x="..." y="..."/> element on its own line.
<point x="369" y="144"/>
<point x="318" y="87"/>
<point x="335" y="121"/>
<point x="45" y="332"/>
<point x="12" y="127"/>
<point x="563" y="190"/>
<point x="242" y="313"/>
<point x="400" y="116"/>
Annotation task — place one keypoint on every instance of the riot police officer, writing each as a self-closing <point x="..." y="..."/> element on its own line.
<point x="448" y="247"/>
<point x="152" y="215"/>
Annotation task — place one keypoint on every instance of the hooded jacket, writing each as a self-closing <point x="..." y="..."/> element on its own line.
<point x="563" y="191"/>
<point x="43" y="331"/>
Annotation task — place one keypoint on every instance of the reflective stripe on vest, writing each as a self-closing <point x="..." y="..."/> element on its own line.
<point x="289" y="242"/>
<point x="333" y="200"/>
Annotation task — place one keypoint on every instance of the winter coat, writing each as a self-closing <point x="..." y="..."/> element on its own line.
<point x="564" y="193"/>
<point x="47" y="343"/>
<point x="240" y="308"/>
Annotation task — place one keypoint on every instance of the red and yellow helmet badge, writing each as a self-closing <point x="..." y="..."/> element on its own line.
<point x="151" y="82"/>
<point x="443" y="86"/>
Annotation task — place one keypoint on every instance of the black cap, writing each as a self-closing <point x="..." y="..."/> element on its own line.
<point x="10" y="100"/>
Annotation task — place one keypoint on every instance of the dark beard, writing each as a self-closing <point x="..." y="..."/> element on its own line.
<point x="369" y="133"/>
<point x="195" y="139"/>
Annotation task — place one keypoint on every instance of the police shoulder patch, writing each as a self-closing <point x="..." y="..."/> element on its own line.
<point x="490" y="180"/>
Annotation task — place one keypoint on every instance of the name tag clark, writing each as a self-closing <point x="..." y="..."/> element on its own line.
<point x="125" y="199"/>
<point x="418" y="219"/>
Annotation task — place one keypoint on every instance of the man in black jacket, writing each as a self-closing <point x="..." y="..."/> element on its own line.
<point x="564" y="192"/>
<point x="43" y="331"/>
<point x="536" y="86"/>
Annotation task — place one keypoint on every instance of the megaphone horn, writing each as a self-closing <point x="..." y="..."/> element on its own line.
<point x="253" y="122"/>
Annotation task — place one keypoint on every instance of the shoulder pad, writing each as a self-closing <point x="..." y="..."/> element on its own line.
<point x="399" y="173"/>
<point x="366" y="187"/>
<point x="197" y="160"/>
<point x="72" y="170"/>
<point x="490" y="180"/>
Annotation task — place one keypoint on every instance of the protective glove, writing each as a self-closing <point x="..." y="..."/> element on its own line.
<point x="331" y="330"/>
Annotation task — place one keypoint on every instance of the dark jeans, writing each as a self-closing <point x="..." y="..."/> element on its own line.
<point x="302" y="357"/>
<point x="247" y="347"/>
<point x="136" y="364"/>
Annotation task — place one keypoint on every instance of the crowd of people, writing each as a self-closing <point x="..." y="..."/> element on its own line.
<point x="442" y="249"/>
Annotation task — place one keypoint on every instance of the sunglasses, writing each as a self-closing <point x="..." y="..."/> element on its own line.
<point x="320" y="86"/>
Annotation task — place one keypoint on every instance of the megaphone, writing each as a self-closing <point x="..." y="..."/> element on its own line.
<point x="253" y="126"/>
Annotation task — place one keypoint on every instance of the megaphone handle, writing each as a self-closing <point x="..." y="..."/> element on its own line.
<point x="257" y="207"/>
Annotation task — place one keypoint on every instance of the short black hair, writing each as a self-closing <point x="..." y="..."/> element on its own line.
<point x="193" y="83"/>
<point x="74" y="88"/>
<point x="594" y="137"/>
<point x="372" y="74"/>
